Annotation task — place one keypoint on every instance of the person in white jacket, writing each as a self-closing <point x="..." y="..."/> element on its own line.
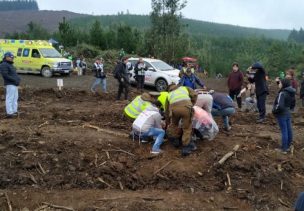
<point x="149" y="123"/>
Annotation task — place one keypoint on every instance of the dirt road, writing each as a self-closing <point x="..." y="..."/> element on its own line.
<point x="51" y="156"/>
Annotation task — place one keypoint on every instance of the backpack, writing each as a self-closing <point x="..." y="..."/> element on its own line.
<point x="115" y="72"/>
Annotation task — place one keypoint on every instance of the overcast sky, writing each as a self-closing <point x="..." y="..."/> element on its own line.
<point x="274" y="14"/>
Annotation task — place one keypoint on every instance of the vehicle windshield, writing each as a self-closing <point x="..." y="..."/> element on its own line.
<point x="49" y="53"/>
<point x="162" y="66"/>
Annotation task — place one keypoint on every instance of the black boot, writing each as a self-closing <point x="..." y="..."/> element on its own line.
<point x="192" y="146"/>
<point x="186" y="150"/>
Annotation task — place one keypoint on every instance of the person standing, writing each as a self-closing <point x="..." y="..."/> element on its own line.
<point x="189" y="79"/>
<point x="283" y="104"/>
<point x="139" y="70"/>
<point x="302" y="89"/>
<point x="261" y="89"/>
<point x="123" y="77"/>
<point x="101" y="77"/>
<point x="11" y="82"/>
<point x="235" y="82"/>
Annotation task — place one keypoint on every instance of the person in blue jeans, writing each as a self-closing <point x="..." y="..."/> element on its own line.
<point x="222" y="106"/>
<point x="149" y="124"/>
<point x="101" y="77"/>
<point x="283" y="104"/>
<point x="299" y="205"/>
<point x="11" y="82"/>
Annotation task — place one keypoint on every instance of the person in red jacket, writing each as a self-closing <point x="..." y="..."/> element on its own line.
<point x="235" y="82"/>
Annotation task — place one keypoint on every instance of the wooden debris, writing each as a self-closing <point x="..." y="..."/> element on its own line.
<point x="9" y="205"/>
<point x="57" y="206"/>
<point x="229" y="154"/>
<point x="152" y="199"/>
<point x="263" y="136"/>
<point x="102" y="181"/>
<point x="164" y="166"/>
<point x="229" y="182"/>
<point x="102" y="163"/>
<point x="283" y="203"/>
<point x="230" y="208"/>
<point x="96" y="159"/>
<point x="118" y="150"/>
<point x="108" y="131"/>
<point x="42" y="170"/>
<point x="108" y="154"/>
<point x="43" y="207"/>
<point x="33" y="178"/>
<point x="43" y="124"/>
<point x="120" y="185"/>
<point x="282" y="183"/>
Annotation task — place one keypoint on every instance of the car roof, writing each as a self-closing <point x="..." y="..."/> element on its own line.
<point x="146" y="59"/>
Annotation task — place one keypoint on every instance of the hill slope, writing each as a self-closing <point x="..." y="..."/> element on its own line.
<point x="16" y="21"/>
<point x="192" y="26"/>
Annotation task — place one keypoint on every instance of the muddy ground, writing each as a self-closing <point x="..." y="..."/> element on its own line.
<point x="50" y="157"/>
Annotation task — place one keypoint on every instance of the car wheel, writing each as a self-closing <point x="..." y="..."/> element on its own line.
<point x="161" y="85"/>
<point x="46" y="72"/>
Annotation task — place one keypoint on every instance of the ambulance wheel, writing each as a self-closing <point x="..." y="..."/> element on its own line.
<point x="161" y="85"/>
<point x="46" y="72"/>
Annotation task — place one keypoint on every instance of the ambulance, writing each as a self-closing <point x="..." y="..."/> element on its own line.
<point x="36" y="57"/>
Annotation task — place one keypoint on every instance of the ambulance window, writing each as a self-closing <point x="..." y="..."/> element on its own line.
<point x="35" y="53"/>
<point x="19" y="52"/>
<point x="26" y="52"/>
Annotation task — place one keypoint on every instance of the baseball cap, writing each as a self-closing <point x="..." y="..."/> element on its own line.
<point x="8" y="54"/>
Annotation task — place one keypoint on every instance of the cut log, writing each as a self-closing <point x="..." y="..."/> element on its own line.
<point x="108" y="131"/>
<point x="229" y="154"/>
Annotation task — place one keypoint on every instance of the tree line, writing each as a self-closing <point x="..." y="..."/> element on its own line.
<point x="168" y="40"/>
<point x="12" y="5"/>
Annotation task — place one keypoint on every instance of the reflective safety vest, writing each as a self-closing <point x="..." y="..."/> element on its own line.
<point x="179" y="94"/>
<point x="163" y="99"/>
<point x="137" y="106"/>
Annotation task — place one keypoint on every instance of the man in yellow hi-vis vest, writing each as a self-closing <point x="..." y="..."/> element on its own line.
<point x="138" y="105"/>
<point x="179" y="105"/>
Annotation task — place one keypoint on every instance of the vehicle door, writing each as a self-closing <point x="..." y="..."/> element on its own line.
<point x="150" y="74"/>
<point x="25" y="60"/>
<point x="36" y="61"/>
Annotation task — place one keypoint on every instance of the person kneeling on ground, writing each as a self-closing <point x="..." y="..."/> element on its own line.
<point x="299" y="205"/>
<point x="149" y="124"/>
<point x="203" y="124"/>
<point x="250" y="100"/>
<point x="222" y="106"/>
<point x="283" y="104"/>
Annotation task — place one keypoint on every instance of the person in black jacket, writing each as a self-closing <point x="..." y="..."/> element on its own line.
<point x="11" y="82"/>
<point x="302" y="89"/>
<point x="100" y="74"/>
<point x="261" y="88"/>
<point x="283" y="104"/>
<point x="123" y="76"/>
<point x="139" y="70"/>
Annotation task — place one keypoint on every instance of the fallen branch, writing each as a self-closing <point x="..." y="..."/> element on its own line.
<point x="33" y="178"/>
<point x="164" y="166"/>
<point x="120" y="185"/>
<point x="230" y="208"/>
<point x="42" y="170"/>
<point x="9" y="205"/>
<point x="108" y="131"/>
<point x="58" y="207"/>
<point x="229" y="182"/>
<point x="229" y="154"/>
<point x="109" y="199"/>
<point x="118" y="150"/>
<point x="102" y="181"/>
<point x="283" y="203"/>
<point x="254" y="135"/>
<point x="43" y="124"/>
<point x="152" y="199"/>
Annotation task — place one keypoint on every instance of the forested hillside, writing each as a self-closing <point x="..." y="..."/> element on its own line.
<point x="10" y="5"/>
<point x="191" y="26"/>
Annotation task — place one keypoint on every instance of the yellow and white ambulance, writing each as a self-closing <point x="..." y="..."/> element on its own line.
<point x="36" y="56"/>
